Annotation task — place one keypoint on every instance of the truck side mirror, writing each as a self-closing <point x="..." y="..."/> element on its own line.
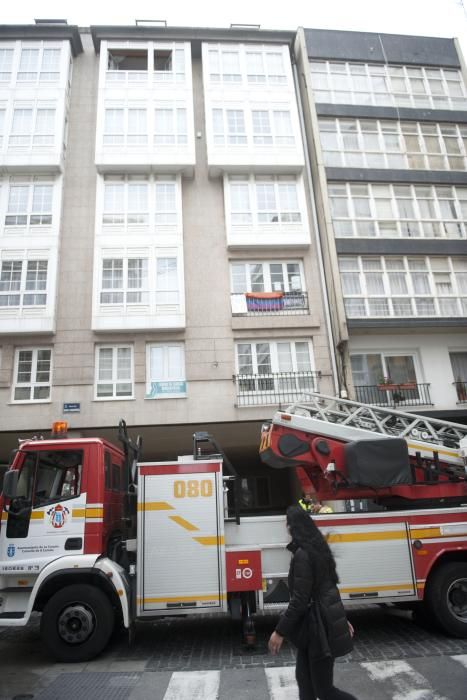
<point x="10" y="483"/>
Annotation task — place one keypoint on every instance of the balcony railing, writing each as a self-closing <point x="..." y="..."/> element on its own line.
<point x="270" y="304"/>
<point x="394" y="395"/>
<point x="274" y="388"/>
<point x="461" y="390"/>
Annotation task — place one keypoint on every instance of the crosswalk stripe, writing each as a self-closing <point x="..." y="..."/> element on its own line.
<point x="407" y="683"/>
<point x="196" y="685"/>
<point x="461" y="658"/>
<point x="281" y="683"/>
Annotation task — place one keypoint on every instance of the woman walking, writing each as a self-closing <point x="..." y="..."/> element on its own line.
<point x="313" y="577"/>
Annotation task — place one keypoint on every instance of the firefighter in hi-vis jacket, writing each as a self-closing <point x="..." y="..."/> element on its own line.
<point x="309" y="504"/>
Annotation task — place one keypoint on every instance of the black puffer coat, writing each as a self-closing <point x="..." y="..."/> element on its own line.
<point x="304" y="586"/>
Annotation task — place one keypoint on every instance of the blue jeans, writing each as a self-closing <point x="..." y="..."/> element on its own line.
<point x="315" y="678"/>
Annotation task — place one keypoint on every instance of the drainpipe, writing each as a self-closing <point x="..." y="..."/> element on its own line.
<point x="319" y="249"/>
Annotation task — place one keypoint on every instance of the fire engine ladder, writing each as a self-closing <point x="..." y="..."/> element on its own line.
<point x="422" y="433"/>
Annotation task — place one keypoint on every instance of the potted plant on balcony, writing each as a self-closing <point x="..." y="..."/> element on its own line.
<point x="461" y="388"/>
<point x="386" y="384"/>
<point x="408" y="385"/>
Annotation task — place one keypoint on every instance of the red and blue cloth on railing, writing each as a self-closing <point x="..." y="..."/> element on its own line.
<point x="265" y="301"/>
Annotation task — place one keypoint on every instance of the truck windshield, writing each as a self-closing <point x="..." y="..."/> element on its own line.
<point x="50" y="476"/>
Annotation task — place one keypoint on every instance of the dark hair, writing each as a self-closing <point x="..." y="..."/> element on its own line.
<point x="308" y="537"/>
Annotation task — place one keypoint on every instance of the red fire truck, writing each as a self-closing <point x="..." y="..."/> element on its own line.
<point x="92" y="537"/>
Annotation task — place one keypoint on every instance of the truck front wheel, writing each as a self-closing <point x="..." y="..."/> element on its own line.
<point x="77" y="623"/>
<point x="446" y="597"/>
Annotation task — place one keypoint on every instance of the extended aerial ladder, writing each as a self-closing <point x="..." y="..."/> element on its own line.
<point x="351" y="450"/>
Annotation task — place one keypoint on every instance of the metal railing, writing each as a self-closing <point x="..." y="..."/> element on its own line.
<point x="289" y="304"/>
<point x="274" y="388"/>
<point x="395" y="395"/>
<point x="461" y="390"/>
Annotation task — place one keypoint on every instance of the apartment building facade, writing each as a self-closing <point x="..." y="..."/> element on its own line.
<point x="386" y="122"/>
<point x="160" y="260"/>
<point x="197" y="226"/>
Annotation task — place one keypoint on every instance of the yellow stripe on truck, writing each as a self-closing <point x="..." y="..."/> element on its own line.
<point x="366" y="536"/>
<point x="420" y="448"/>
<point x="207" y="541"/>
<point x="155" y="505"/>
<point x="425" y="533"/>
<point x="183" y="599"/>
<point x="37" y="515"/>
<point x="183" y="523"/>
<point x="94" y="512"/>
<point x="372" y="589"/>
<point x="78" y="512"/>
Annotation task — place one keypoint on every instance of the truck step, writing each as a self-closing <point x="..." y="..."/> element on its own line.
<point x="16" y="589"/>
<point x="11" y="615"/>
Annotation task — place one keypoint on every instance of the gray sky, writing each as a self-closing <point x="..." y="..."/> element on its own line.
<point x="434" y="17"/>
<point x="425" y="17"/>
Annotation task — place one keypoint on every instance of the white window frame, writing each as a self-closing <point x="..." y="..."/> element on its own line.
<point x="7" y="67"/>
<point x="166" y="219"/>
<point x="125" y="137"/>
<point x="3" y="113"/>
<point x="441" y="157"/>
<point x="134" y="78"/>
<point x="33" y="137"/>
<point x="218" y="72"/>
<point x="222" y="123"/>
<point x="272" y="382"/>
<point x="176" y="386"/>
<point x="33" y="383"/>
<point x="280" y="215"/>
<point x="275" y="135"/>
<point x="115" y="380"/>
<point x="425" y="269"/>
<point x="341" y="82"/>
<point x="160" y="301"/>
<point x="32" y="219"/>
<point x="178" y="117"/>
<point x="39" y="74"/>
<point x="23" y="289"/>
<point x="246" y="293"/>
<point x="418" y="226"/>
<point x="125" y="289"/>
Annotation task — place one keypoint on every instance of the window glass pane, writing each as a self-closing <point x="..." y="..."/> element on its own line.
<point x="28" y="64"/>
<point x="123" y="363"/>
<point x="245" y="358"/>
<point x="18" y="199"/>
<point x="239" y="283"/>
<point x="105" y="364"/>
<point x="42" y="198"/>
<point x="263" y="358"/>
<point x="302" y="351"/>
<point x="284" y="357"/>
<point x="157" y="369"/>
<point x="22" y="121"/>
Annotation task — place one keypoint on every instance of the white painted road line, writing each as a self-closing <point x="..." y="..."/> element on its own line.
<point x="407" y="684"/>
<point x="281" y="683"/>
<point x="462" y="659"/>
<point x="195" y="685"/>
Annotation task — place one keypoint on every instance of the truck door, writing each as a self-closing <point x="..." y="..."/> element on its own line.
<point x="181" y="553"/>
<point x="373" y="558"/>
<point x="46" y="518"/>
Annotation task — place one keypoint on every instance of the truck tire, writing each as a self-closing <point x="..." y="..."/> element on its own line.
<point x="446" y="598"/>
<point x="77" y="623"/>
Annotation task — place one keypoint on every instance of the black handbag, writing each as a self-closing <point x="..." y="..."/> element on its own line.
<point x="310" y="632"/>
<point x="317" y="632"/>
<point x="334" y="628"/>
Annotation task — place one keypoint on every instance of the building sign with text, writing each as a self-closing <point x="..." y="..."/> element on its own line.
<point x="167" y="389"/>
